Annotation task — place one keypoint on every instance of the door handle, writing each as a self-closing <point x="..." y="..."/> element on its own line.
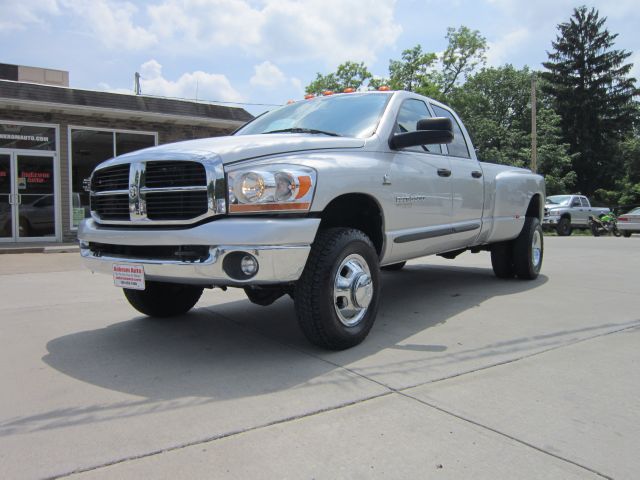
<point x="19" y="197"/>
<point x="11" y="201"/>
<point x="444" y="172"/>
<point x="476" y="174"/>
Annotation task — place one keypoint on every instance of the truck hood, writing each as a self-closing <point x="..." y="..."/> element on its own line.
<point x="242" y="147"/>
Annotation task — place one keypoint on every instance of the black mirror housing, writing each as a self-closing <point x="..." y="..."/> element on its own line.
<point x="430" y="131"/>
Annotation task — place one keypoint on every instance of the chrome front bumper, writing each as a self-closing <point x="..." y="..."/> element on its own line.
<point x="281" y="247"/>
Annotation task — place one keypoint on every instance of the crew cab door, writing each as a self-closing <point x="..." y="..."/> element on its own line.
<point x="467" y="185"/>
<point x="420" y="191"/>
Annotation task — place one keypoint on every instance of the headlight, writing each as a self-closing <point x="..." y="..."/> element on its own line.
<point x="267" y="188"/>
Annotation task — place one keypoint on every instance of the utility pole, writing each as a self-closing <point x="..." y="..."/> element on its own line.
<point x="534" y="139"/>
<point x="136" y="84"/>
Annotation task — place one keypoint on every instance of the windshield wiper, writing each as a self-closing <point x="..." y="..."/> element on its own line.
<point x="304" y="130"/>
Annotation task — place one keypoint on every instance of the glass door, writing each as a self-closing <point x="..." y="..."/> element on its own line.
<point x="35" y="205"/>
<point x="6" y="198"/>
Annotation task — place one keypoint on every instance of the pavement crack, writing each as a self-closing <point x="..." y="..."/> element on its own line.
<point x="217" y="437"/>
<point x="506" y="435"/>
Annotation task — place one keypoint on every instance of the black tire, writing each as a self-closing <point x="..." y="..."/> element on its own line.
<point x="563" y="229"/>
<point x="317" y="308"/>
<point x="526" y="263"/>
<point x="594" y="229"/>
<point x="394" y="267"/>
<point x="502" y="260"/>
<point x="162" y="300"/>
<point x="616" y="232"/>
<point x="626" y="234"/>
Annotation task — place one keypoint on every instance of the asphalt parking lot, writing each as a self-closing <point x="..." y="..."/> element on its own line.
<point x="463" y="376"/>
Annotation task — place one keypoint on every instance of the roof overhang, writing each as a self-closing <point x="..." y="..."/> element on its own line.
<point x="115" y="113"/>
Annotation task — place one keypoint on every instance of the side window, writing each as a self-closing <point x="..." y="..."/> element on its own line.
<point x="576" y="202"/>
<point x="457" y="148"/>
<point x="411" y="111"/>
<point x="585" y="202"/>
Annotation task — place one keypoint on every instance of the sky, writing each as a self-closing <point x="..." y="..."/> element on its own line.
<point x="259" y="53"/>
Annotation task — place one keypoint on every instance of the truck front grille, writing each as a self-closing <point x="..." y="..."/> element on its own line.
<point x="157" y="192"/>
<point x="111" y="178"/>
<point x="111" y="207"/>
<point x="176" y="205"/>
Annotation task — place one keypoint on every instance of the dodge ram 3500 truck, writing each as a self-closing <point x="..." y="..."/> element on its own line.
<point x="566" y="212"/>
<point x="312" y="200"/>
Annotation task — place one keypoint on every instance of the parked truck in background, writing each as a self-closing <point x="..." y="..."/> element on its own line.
<point x="563" y="213"/>
<point x="310" y="200"/>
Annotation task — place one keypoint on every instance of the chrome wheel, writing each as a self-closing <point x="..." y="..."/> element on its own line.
<point x="536" y="249"/>
<point x="352" y="290"/>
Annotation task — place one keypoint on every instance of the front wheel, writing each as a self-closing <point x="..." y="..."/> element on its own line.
<point x="626" y="234"/>
<point x="337" y="296"/>
<point x="564" y="227"/>
<point x="161" y="299"/>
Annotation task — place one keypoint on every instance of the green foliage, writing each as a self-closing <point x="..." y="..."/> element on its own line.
<point x="348" y="75"/>
<point x="413" y="70"/>
<point x="495" y="106"/>
<point x="464" y="53"/>
<point x="594" y="96"/>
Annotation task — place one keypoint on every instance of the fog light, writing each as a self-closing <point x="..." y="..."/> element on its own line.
<point x="249" y="265"/>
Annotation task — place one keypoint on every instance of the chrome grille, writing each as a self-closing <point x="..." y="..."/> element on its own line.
<point x="158" y="192"/>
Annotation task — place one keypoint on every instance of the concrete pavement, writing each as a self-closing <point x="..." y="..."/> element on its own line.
<point x="463" y="376"/>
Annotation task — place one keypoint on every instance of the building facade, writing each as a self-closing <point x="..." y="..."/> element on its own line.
<point x="51" y="138"/>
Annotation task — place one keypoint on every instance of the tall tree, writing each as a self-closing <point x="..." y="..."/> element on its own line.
<point x="348" y="75"/>
<point x="464" y="53"/>
<point x="412" y="71"/>
<point x="593" y="94"/>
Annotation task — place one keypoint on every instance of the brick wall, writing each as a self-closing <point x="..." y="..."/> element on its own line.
<point x="166" y="133"/>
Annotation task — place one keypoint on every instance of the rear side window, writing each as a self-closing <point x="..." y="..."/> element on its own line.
<point x="585" y="202"/>
<point x="410" y="112"/>
<point x="457" y="148"/>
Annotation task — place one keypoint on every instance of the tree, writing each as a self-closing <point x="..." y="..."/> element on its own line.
<point x="464" y="53"/>
<point x="495" y="106"/>
<point x="348" y="75"/>
<point x="592" y="92"/>
<point x="412" y="72"/>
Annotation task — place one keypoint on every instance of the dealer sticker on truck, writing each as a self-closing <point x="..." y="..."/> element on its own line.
<point x="128" y="276"/>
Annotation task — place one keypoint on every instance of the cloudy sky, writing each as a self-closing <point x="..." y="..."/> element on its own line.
<point x="266" y="51"/>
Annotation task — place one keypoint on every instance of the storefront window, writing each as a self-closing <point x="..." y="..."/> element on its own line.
<point x="88" y="149"/>
<point x="27" y="137"/>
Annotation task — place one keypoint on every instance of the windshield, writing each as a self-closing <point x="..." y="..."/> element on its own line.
<point x="349" y="115"/>
<point x="559" y="199"/>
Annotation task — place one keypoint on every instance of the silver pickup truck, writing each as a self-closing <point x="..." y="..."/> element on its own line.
<point x="311" y="200"/>
<point x="563" y="213"/>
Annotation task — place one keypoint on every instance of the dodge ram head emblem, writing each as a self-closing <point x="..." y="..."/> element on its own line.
<point x="133" y="192"/>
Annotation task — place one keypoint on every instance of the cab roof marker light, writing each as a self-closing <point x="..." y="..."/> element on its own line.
<point x="309" y="96"/>
<point x="384" y="88"/>
<point x="349" y="90"/>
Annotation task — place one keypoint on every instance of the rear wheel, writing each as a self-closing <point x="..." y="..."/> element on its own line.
<point x="161" y="299"/>
<point x="528" y="250"/>
<point x="502" y="260"/>
<point x="337" y="296"/>
<point x="626" y="234"/>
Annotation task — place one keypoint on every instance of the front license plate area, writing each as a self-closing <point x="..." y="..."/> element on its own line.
<point x="128" y="276"/>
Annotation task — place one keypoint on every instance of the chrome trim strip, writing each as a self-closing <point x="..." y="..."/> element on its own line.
<point x="110" y="192"/>
<point x="137" y="199"/>
<point x="199" y="188"/>
<point x="437" y="232"/>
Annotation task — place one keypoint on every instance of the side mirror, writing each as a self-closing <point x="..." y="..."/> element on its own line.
<point x="430" y="131"/>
